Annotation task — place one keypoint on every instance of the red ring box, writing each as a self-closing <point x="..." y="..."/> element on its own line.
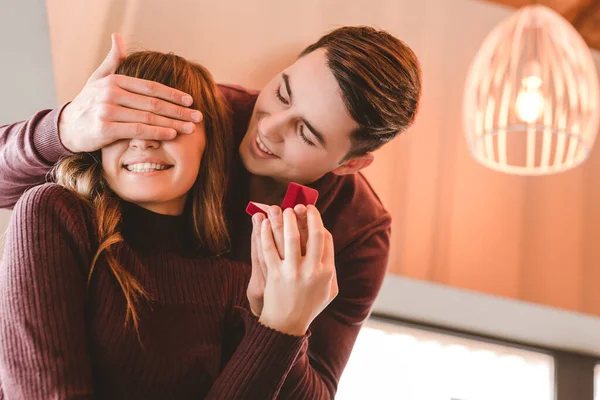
<point x="296" y="194"/>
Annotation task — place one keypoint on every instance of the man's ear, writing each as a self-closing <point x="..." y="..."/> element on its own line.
<point x="355" y="164"/>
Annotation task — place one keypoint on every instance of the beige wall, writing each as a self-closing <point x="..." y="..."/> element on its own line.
<point x="26" y="69"/>
<point x="455" y="222"/>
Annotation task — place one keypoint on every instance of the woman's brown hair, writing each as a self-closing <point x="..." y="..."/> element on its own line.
<point x="82" y="173"/>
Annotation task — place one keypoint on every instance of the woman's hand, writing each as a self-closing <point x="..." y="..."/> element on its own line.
<point x="256" y="286"/>
<point x="297" y="287"/>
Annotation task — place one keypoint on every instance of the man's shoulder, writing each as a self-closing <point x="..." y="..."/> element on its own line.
<point x="238" y="96"/>
<point x="241" y="101"/>
<point x="352" y="209"/>
<point x="353" y="191"/>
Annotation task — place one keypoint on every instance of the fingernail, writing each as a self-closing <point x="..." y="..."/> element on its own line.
<point x="187" y="100"/>
<point x="274" y="211"/>
<point x="188" y="128"/>
<point x="196" y="116"/>
<point x="171" y="134"/>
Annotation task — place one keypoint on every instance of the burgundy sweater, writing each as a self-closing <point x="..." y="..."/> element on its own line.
<point x="62" y="339"/>
<point x="350" y="209"/>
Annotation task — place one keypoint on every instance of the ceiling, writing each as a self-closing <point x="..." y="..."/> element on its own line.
<point x="583" y="14"/>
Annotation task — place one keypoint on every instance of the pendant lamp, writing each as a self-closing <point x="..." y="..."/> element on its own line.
<point x="530" y="105"/>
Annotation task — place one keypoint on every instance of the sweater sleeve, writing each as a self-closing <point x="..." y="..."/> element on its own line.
<point x="43" y="346"/>
<point x="28" y="150"/>
<point x="255" y="358"/>
<point x="361" y="269"/>
<point x="268" y="364"/>
<point x="259" y="364"/>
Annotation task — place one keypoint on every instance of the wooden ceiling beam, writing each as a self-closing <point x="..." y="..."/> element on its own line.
<point x="587" y="22"/>
<point x="583" y="14"/>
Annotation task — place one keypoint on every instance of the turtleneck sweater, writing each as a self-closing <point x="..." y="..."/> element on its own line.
<point x="62" y="337"/>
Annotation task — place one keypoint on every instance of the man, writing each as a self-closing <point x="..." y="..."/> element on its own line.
<point x="315" y="123"/>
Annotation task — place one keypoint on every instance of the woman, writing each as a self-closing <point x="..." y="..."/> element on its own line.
<point x="112" y="286"/>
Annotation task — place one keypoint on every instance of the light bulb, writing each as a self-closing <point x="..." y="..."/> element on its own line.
<point x="530" y="100"/>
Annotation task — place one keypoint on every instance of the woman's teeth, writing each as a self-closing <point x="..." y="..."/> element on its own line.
<point x="262" y="146"/>
<point x="146" y="167"/>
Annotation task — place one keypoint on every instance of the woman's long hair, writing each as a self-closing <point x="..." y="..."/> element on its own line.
<point x="83" y="175"/>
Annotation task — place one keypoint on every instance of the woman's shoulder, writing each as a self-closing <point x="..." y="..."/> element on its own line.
<point x="50" y="203"/>
<point x="53" y="197"/>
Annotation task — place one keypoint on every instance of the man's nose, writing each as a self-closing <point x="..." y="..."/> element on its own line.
<point x="142" y="144"/>
<point x="274" y="126"/>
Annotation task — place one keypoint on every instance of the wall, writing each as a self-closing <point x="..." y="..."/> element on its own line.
<point x="455" y="222"/>
<point x="26" y="75"/>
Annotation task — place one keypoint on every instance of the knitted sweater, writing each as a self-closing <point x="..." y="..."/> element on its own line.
<point x="61" y="338"/>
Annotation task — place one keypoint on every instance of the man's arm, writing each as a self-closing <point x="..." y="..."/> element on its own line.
<point x="28" y="150"/>
<point x="360" y="268"/>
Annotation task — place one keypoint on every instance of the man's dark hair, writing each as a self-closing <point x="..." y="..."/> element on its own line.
<point x="380" y="80"/>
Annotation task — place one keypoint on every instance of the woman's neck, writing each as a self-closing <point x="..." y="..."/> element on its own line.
<point x="174" y="207"/>
<point x="152" y="231"/>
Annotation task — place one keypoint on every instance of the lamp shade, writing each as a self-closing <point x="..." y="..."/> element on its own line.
<point x="530" y="105"/>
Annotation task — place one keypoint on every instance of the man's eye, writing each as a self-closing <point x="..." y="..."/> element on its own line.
<point x="304" y="138"/>
<point x="279" y="96"/>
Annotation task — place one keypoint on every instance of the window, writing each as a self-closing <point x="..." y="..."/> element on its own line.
<point x="392" y="361"/>
<point x="597" y="382"/>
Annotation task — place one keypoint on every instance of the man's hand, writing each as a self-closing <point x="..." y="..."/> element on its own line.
<point x="112" y="107"/>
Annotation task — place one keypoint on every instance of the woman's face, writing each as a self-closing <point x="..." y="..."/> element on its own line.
<point x="156" y="175"/>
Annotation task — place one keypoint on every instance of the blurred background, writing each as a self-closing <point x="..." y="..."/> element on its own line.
<point x="492" y="288"/>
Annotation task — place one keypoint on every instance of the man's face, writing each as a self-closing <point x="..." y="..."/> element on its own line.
<point x="300" y="128"/>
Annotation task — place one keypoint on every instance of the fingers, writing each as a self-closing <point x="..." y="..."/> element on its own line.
<point x="151" y="89"/>
<point x="334" y="289"/>
<point x="119" y="44"/>
<point x="276" y="220"/>
<point x="123" y="114"/>
<point x="316" y="234"/>
<point x="256" y="250"/>
<point x="156" y="105"/>
<point x="329" y="260"/>
<point x="121" y="130"/>
<point x="269" y="251"/>
<point x="256" y="285"/>
<point x="114" y="57"/>
<point x="328" y="249"/>
<point x="300" y="211"/>
<point x="291" y="235"/>
<point x="256" y="289"/>
<point x="158" y="91"/>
